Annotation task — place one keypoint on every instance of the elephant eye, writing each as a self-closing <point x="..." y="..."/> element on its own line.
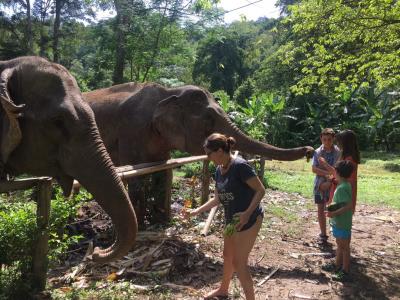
<point x="60" y="125"/>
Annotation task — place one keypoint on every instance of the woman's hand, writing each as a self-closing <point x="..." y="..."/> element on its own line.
<point x="243" y="219"/>
<point x="188" y="213"/>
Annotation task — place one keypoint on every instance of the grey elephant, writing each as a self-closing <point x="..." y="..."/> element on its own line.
<point x="144" y="122"/>
<point x="47" y="130"/>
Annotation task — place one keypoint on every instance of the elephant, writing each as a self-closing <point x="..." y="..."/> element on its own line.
<point x="46" y="129"/>
<point x="143" y="122"/>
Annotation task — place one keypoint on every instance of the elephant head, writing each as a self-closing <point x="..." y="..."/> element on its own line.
<point x="47" y="130"/>
<point x="190" y="114"/>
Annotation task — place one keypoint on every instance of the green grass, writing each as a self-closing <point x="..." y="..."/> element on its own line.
<point x="378" y="178"/>
<point x="111" y="290"/>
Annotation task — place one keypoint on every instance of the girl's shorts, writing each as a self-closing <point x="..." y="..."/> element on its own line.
<point x="341" y="233"/>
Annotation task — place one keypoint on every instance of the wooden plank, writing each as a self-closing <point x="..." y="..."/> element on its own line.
<point x="139" y="166"/>
<point x="40" y="262"/>
<point x="20" y="184"/>
<point x="126" y="172"/>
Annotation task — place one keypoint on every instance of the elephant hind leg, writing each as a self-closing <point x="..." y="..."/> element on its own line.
<point x="137" y="196"/>
<point x="151" y="197"/>
<point x="161" y="190"/>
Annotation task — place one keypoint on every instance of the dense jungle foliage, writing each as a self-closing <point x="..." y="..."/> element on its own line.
<point x="321" y="64"/>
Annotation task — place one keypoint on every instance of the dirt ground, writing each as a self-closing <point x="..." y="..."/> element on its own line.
<point x="176" y="262"/>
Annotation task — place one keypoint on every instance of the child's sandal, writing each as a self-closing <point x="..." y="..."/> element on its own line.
<point x="330" y="267"/>
<point x="341" y="276"/>
<point x="322" y="239"/>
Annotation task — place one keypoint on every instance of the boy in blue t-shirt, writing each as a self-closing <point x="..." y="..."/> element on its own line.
<point x="322" y="181"/>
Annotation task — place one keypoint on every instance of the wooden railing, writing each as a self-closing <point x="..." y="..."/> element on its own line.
<point x="44" y="185"/>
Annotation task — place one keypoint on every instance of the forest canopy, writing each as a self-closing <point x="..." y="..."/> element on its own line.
<point x="322" y="64"/>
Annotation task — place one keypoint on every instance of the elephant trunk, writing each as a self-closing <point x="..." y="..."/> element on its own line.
<point x="251" y="146"/>
<point x="98" y="175"/>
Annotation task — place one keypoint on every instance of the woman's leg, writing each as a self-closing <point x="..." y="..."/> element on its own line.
<point x="227" y="269"/>
<point x="323" y="188"/>
<point x="322" y="218"/>
<point x="243" y="243"/>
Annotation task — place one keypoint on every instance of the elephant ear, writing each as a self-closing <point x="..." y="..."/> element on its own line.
<point x="10" y="131"/>
<point x="165" y="122"/>
<point x="165" y="112"/>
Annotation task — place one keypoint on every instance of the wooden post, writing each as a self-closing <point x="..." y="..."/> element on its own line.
<point x="205" y="182"/>
<point x="40" y="261"/>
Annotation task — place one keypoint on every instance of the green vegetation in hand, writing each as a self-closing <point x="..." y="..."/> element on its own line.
<point x="230" y="228"/>
<point x="336" y="206"/>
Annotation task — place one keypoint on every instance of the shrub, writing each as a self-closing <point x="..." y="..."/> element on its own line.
<point x="18" y="232"/>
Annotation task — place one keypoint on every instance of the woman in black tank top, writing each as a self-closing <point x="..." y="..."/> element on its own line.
<point x="240" y="191"/>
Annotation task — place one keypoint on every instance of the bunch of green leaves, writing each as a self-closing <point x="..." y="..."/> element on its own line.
<point x="230" y="228"/>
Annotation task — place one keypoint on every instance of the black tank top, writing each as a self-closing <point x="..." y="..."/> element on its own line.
<point x="233" y="191"/>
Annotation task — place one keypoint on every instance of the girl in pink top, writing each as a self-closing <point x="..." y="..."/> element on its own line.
<point x="347" y="142"/>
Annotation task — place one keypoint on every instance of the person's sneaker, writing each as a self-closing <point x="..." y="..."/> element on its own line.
<point x="341" y="276"/>
<point x="330" y="267"/>
<point x="322" y="239"/>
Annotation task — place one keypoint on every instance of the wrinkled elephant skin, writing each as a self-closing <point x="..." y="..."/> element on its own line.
<point x="47" y="130"/>
<point x="144" y="122"/>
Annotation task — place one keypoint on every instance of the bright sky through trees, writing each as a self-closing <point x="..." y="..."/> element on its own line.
<point x="252" y="9"/>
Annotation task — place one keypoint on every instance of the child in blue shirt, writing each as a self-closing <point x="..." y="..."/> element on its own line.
<point x="322" y="181"/>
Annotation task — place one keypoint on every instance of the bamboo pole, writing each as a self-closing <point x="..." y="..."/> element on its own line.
<point x="40" y="262"/>
<point x="209" y="220"/>
<point x="126" y="172"/>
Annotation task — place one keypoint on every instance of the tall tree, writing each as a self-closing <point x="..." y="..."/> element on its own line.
<point x="122" y="9"/>
<point x="344" y="44"/>
<point x="66" y="10"/>
<point x="26" y="6"/>
<point x="168" y="12"/>
<point x="220" y="61"/>
<point x="42" y="12"/>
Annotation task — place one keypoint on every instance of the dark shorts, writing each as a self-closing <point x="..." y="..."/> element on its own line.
<point x="252" y="221"/>
<point x="318" y="199"/>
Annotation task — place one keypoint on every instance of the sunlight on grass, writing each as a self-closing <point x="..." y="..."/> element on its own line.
<point x="378" y="178"/>
<point x="282" y="213"/>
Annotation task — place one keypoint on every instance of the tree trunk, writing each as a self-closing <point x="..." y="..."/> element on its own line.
<point x="156" y="45"/>
<point x="56" y="30"/>
<point x="29" y="37"/>
<point x="120" y="32"/>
